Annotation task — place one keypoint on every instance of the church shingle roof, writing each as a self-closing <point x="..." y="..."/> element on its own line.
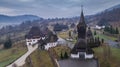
<point x="34" y="33"/>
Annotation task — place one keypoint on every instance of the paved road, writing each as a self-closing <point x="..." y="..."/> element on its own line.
<point x="78" y="63"/>
<point x="21" y="60"/>
<point x="112" y="43"/>
<point x="65" y="43"/>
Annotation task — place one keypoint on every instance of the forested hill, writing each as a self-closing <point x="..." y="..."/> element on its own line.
<point x="17" y="19"/>
<point x="108" y="16"/>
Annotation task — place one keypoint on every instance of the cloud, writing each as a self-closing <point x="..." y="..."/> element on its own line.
<point x="54" y="8"/>
<point x="5" y="10"/>
<point x="25" y="0"/>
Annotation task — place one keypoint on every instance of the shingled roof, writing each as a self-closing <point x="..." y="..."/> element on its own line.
<point x="80" y="46"/>
<point x="89" y="33"/>
<point x="34" y="33"/>
<point x="51" y="37"/>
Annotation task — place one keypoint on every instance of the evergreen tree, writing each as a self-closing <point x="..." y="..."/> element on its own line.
<point x="69" y="34"/>
<point x="65" y="55"/>
<point x="111" y="29"/>
<point x="95" y="40"/>
<point x="95" y="33"/>
<point x="98" y="41"/>
<point x="107" y="29"/>
<point x="8" y="43"/>
<point x="61" y="56"/>
<point x="117" y="31"/>
<point x="102" y="40"/>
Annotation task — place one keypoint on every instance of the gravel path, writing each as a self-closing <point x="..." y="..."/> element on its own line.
<point x="112" y="43"/>
<point x="21" y="61"/>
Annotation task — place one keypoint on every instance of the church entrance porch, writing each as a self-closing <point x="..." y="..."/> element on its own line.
<point x="81" y="55"/>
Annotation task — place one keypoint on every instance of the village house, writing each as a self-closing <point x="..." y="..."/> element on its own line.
<point x="34" y="35"/>
<point x="45" y="40"/>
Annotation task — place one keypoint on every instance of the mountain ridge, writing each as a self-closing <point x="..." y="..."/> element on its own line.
<point x="18" y="18"/>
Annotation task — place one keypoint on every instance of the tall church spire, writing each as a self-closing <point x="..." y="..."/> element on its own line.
<point x="82" y="19"/>
<point x="81" y="27"/>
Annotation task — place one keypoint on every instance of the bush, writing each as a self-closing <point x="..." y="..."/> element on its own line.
<point x="95" y="33"/>
<point x="65" y="55"/>
<point x="61" y="56"/>
<point x="111" y="30"/>
<point x="8" y="44"/>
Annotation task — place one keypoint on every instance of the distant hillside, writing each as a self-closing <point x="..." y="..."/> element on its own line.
<point x="108" y="16"/>
<point x="17" y="19"/>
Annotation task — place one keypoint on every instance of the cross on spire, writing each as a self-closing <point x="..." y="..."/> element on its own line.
<point x="82" y="20"/>
<point x="82" y="7"/>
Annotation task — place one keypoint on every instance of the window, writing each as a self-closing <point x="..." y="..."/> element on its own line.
<point x="29" y="43"/>
<point x="33" y="40"/>
<point x="28" y="40"/>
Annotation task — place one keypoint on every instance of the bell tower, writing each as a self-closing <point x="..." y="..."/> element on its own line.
<point x="81" y="27"/>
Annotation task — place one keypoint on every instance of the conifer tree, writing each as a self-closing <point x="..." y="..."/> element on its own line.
<point x="102" y="40"/>
<point x="95" y="33"/>
<point x="117" y="31"/>
<point x="65" y="55"/>
<point x="8" y="43"/>
<point x="61" y="56"/>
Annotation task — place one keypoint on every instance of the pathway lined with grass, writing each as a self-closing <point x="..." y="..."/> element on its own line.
<point x="21" y="60"/>
<point x="108" y="39"/>
<point x="39" y="58"/>
<point x="8" y="56"/>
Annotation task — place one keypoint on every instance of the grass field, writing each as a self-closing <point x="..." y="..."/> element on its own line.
<point x="7" y="56"/>
<point x="40" y="58"/>
<point x="114" y="59"/>
<point x="61" y="49"/>
<point x="105" y="37"/>
<point x="64" y="35"/>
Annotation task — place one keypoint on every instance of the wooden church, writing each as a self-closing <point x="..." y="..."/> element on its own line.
<point x="85" y="41"/>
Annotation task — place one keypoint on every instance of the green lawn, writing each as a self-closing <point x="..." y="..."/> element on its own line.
<point x="7" y="56"/>
<point x="61" y="49"/>
<point x="40" y="58"/>
<point x="63" y="35"/>
<point x="114" y="56"/>
<point x="105" y="37"/>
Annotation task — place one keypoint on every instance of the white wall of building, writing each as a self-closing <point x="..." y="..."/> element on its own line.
<point x="49" y="45"/>
<point x="33" y="41"/>
<point x="89" y="56"/>
<point x="75" y="55"/>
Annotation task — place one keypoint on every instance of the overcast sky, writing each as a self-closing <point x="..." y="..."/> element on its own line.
<point x="54" y="8"/>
